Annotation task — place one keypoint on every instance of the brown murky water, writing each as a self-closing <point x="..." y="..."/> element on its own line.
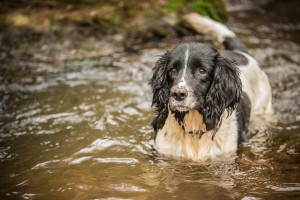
<point x="82" y="130"/>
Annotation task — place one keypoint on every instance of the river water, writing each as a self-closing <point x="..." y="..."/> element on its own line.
<point x="81" y="129"/>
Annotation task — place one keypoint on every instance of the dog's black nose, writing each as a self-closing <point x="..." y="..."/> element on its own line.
<point x="179" y="94"/>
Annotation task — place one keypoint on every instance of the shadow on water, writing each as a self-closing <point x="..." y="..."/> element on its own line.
<point x="80" y="129"/>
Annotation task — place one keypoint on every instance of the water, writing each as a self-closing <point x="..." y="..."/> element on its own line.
<point x="81" y="129"/>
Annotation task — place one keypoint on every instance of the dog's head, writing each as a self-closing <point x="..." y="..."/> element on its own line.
<point x="196" y="77"/>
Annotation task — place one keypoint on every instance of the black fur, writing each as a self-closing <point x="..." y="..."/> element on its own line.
<point x="243" y="117"/>
<point x="224" y="92"/>
<point x="233" y="43"/>
<point x="159" y="120"/>
<point x="237" y="58"/>
<point x="215" y="92"/>
<point x="161" y="91"/>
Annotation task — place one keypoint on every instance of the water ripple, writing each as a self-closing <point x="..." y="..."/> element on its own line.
<point x="101" y="144"/>
<point x="117" y="160"/>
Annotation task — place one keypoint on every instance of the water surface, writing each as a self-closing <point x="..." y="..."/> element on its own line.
<point x="81" y="129"/>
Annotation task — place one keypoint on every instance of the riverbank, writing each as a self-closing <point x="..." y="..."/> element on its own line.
<point x="128" y="24"/>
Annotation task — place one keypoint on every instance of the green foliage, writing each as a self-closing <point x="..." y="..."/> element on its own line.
<point x="212" y="8"/>
<point x="204" y="7"/>
<point x="175" y="5"/>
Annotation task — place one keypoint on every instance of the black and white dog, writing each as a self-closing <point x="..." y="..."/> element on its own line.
<point x="205" y="98"/>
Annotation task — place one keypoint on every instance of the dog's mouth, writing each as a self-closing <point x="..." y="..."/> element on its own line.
<point x="181" y="106"/>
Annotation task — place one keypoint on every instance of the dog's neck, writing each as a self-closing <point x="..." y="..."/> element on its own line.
<point x="176" y="139"/>
<point x="191" y="121"/>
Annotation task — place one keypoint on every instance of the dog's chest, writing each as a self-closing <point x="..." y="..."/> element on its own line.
<point x="189" y="143"/>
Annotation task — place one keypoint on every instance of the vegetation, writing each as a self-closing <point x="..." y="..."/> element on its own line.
<point x="107" y="14"/>
<point x="212" y="8"/>
<point x="139" y="21"/>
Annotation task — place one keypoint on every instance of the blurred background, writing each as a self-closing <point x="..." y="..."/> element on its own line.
<point x="75" y="105"/>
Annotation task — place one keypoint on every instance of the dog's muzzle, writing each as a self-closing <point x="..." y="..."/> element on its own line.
<point x="182" y="99"/>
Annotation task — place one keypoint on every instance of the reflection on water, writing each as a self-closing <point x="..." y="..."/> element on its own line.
<point x="83" y="131"/>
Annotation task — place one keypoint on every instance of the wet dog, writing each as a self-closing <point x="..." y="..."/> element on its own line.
<point x="205" y="98"/>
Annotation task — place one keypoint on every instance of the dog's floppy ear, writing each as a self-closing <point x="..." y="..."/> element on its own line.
<point x="224" y="92"/>
<point x="160" y="89"/>
<point x="159" y="82"/>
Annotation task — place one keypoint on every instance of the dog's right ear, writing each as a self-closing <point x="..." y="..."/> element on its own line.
<point x="224" y="93"/>
<point x="159" y="82"/>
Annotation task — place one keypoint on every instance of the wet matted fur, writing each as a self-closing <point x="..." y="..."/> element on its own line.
<point x="205" y="98"/>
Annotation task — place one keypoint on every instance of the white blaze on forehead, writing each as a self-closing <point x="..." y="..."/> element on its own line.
<point x="186" y="57"/>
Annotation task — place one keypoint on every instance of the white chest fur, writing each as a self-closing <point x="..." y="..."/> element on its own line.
<point x="173" y="140"/>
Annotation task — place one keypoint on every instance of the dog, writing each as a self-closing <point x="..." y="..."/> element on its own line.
<point x="204" y="98"/>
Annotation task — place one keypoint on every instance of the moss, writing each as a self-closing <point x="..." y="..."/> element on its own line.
<point x="212" y="8"/>
<point x="220" y="9"/>
<point x="175" y="5"/>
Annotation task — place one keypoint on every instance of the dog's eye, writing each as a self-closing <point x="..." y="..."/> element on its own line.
<point x="173" y="72"/>
<point x="201" y="72"/>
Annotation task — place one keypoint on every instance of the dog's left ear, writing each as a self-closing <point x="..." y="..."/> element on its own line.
<point x="224" y="92"/>
<point x="159" y="83"/>
<point x="160" y="90"/>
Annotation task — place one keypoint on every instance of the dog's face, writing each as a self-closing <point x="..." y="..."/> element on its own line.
<point x="195" y="77"/>
<point x="189" y="74"/>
